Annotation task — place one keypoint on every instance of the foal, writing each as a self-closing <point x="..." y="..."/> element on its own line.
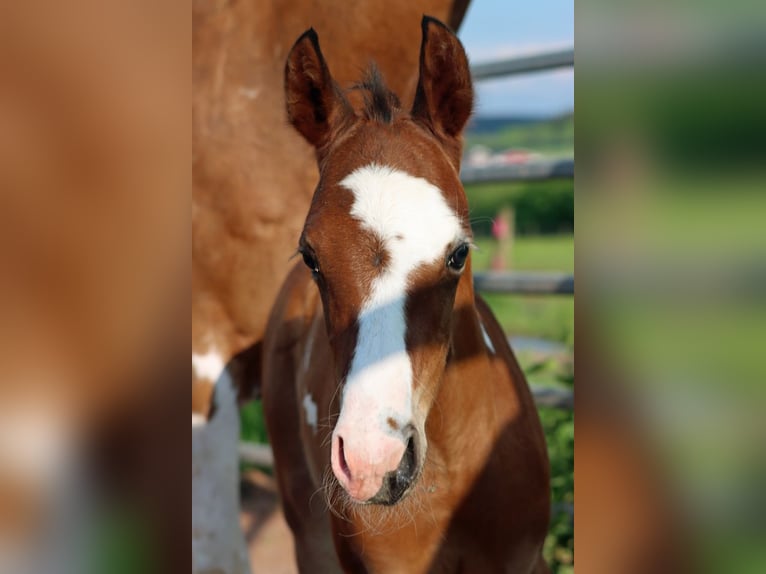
<point x="390" y="393"/>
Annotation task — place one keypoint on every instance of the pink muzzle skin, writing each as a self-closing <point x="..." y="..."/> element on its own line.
<point x="361" y="461"/>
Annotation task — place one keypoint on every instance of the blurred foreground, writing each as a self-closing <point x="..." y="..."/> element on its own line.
<point x="94" y="285"/>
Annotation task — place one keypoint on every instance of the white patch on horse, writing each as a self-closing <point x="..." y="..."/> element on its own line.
<point x="209" y="366"/>
<point x="416" y="226"/>
<point x="310" y="410"/>
<point x="198" y="419"/>
<point x="487" y="340"/>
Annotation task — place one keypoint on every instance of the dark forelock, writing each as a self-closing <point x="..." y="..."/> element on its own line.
<point x="380" y="103"/>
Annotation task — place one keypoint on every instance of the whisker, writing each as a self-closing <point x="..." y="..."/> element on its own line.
<point x="483" y="219"/>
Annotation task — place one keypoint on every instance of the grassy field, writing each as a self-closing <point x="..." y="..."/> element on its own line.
<point x="543" y="317"/>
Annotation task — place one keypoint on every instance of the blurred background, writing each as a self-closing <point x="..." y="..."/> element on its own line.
<point x="670" y="215"/>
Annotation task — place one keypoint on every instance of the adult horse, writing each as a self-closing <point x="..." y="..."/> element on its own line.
<point x="387" y="382"/>
<point x="252" y="182"/>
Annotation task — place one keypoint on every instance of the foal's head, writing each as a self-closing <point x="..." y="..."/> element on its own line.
<point x="387" y="241"/>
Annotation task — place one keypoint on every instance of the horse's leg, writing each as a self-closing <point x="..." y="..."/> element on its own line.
<point x="217" y="541"/>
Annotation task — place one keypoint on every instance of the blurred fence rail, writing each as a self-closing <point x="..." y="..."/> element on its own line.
<point x="523" y="64"/>
<point x="540" y="169"/>
<point x="525" y="282"/>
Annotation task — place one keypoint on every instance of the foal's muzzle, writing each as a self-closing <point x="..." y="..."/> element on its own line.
<point x="377" y="471"/>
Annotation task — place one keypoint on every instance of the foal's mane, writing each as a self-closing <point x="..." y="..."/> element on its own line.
<point x="380" y="103"/>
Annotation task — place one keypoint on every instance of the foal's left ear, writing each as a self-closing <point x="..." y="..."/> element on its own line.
<point x="315" y="105"/>
<point x="444" y="97"/>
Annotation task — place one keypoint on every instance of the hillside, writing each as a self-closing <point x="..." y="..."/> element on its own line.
<point x="549" y="136"/>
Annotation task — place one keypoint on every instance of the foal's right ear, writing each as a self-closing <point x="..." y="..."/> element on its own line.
<point x="315" y="104"/>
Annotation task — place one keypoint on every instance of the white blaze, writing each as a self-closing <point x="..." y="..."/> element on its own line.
<point x="415" y="226"/>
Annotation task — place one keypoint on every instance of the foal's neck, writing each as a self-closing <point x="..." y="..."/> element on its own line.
<point x="468" y="411"/>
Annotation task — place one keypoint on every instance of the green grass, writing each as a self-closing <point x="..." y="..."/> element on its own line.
<point x="253" y="429"/>
<point x="121" y="542"/>
<point x="550" y="318"/>
<point x="252" y="423"/>
<point x="538" y="253"/>
<point x="558" y="549"/>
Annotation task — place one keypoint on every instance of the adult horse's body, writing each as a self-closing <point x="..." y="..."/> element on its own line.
<point x="252" y="182"/>
<point x="389" y="390"/>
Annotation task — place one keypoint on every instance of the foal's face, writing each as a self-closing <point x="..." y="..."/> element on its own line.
<point x="387" y="241"/>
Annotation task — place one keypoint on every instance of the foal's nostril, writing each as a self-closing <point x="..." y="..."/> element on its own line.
<point x="407" y="466"/>
<point x="342" y="458"/>
<point x="401" y="479"/>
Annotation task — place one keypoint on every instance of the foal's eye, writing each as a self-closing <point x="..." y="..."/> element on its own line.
<point x="311" y="262"/>
<point x="456" y="259"/>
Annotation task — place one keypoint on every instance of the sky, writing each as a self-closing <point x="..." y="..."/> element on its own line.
<point x="494" y="29"/>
